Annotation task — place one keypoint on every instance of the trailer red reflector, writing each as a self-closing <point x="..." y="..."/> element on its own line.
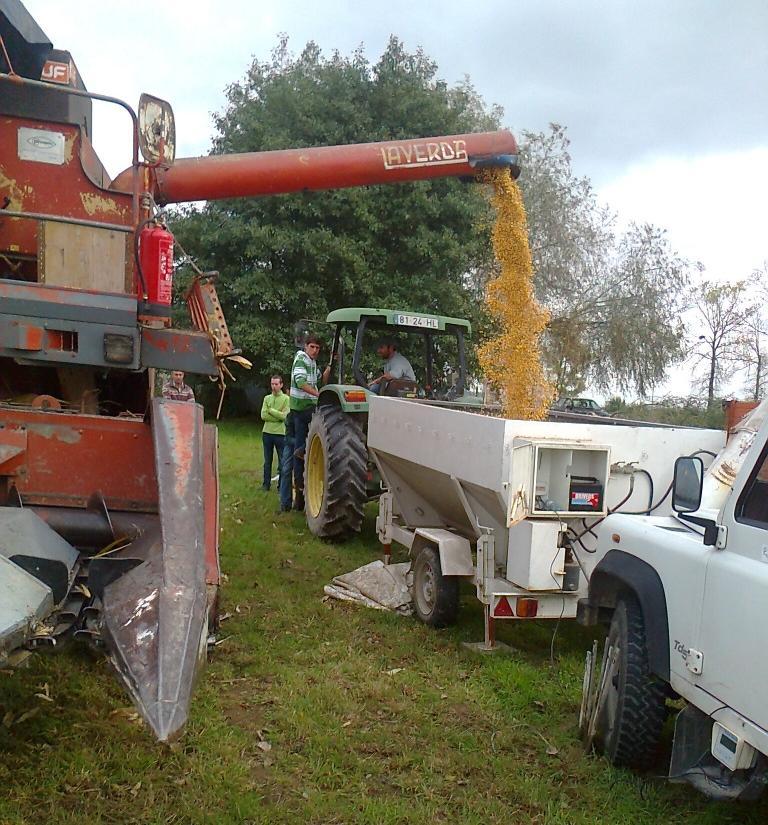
<point x="503" y="609"/>
<point x="355" y="396"/>
<point x="527" y="608"/>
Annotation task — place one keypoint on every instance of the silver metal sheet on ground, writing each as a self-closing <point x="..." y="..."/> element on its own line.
<point x="376" y="585"/>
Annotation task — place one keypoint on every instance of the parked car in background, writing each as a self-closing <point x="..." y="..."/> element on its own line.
<point x="587" y="406"/>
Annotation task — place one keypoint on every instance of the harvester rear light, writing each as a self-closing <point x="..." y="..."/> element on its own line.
<point x="527" y="608"/>
<point x="355" y="396"/>
<point x="503" y="609"/>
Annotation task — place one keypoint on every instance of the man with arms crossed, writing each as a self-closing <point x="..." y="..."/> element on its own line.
<point x="274" y="411"/>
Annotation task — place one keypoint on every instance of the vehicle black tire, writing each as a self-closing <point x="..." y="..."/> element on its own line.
<point x="435" y="596"/>
<point x="335" y="471"/>
<point x="634" y="708"/>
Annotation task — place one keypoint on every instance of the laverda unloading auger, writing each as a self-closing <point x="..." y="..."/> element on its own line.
<point x="108" y="496"/>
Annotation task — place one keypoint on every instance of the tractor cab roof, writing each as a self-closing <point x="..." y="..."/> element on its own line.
<point x="397" y="319"/>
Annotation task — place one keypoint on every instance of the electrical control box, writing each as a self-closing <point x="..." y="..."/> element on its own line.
<point x="558" y="480"/>
<point x="534" y="559"/>
<point x="730" y="749"/>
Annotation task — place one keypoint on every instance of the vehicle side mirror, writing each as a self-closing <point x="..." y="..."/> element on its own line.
<point x="157" y="130"/>
<point x="687" y="484"/>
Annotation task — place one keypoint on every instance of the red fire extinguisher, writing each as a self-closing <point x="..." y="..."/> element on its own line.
<point x="156" y="259"/>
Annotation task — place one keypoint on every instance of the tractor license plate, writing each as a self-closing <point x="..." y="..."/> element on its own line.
<point x="416" y="321"/>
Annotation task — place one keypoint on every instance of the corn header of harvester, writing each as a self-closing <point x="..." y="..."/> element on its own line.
<point x="109" y="495"/>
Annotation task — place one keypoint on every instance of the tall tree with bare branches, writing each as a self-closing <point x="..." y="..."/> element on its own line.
<point x="722" y="315"/>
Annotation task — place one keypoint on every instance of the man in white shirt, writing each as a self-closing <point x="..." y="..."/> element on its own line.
<point x="396" y="365"/>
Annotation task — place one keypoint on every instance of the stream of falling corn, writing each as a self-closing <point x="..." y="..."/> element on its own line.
<point x="512" y="360"/>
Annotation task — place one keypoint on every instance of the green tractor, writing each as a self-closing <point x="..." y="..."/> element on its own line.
<point x="339" y="477"/>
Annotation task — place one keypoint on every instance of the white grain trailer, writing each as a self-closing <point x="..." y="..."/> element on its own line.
<point x="512" y="505"/>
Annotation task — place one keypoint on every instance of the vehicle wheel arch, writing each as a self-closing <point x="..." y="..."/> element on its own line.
<point x="328" y="398"/>
<point x="455" y="552"/>
<point x="619" y="573"/>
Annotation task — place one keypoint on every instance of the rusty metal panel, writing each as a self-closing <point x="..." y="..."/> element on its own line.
<point x="173" y="349"/>
<point x="13" y="446"/>
<point x="207" y="315"/>
<point x="49" y="302"/>
<point x="69" y="457"/>
<point x="211" y="503"/>
<point x="39" y="187"/>
<point x="81" y="257"/>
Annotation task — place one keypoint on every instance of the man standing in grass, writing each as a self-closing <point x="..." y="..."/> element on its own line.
<point x="274" y="411"/>
<point x="305" y="380"/>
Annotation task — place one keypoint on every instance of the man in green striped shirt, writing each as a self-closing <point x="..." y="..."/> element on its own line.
<point x="305" y="381"/>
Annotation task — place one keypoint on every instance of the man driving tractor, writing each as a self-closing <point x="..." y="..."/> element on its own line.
<point x="396" y="366"/>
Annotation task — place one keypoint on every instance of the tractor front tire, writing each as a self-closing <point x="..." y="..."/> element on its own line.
<point x="335" y="471"/>
<point x="633" y="710"/>
<point x="435" y="596"/>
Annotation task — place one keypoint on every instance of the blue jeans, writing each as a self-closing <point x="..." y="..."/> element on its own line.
<point x="276" y="443"/>
<point x="286" y="466"/>
<point x="301" y="422"/>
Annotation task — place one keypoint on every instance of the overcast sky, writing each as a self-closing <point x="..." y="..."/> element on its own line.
<point x="666" y="101"/>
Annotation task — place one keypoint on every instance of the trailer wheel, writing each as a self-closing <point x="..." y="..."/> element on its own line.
<point x="634" y="706"/>
<point x="335" y="474"/>
<point x="435" y="596"/>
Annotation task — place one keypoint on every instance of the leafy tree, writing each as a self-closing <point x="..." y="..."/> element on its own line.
<point x="289" y="257"/>
<point x="688" y="411"/>
<point x="615" y="301"/>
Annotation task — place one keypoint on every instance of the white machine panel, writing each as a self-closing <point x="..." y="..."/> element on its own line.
<point x="534" y="561"/>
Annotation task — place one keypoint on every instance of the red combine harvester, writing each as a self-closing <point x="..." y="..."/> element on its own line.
<point x="108" y="495"/>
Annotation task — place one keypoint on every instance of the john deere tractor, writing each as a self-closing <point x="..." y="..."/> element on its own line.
<point x="339" y="476"/>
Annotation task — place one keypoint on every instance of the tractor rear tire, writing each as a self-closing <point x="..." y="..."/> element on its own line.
<point x="335" y="472"/>
<point x="435" y="596"/>
<point x="632" y="716"/>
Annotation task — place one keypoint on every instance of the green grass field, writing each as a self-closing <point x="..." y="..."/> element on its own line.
<point x="319" y="712"/>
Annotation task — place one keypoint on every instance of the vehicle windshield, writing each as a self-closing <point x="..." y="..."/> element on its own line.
<point x="433" y="356"/>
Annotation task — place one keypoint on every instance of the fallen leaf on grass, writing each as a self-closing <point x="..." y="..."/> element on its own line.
<point x="45" y="692"/>
<point x="129" y="713"/>
<point x="552" y="751"/>
<point x="28" y="714"/>
<point x="443" y="695"/>
<point x="346" y="724"/>
<point x="395" y="670"/>
<point x="265" y="746"/>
